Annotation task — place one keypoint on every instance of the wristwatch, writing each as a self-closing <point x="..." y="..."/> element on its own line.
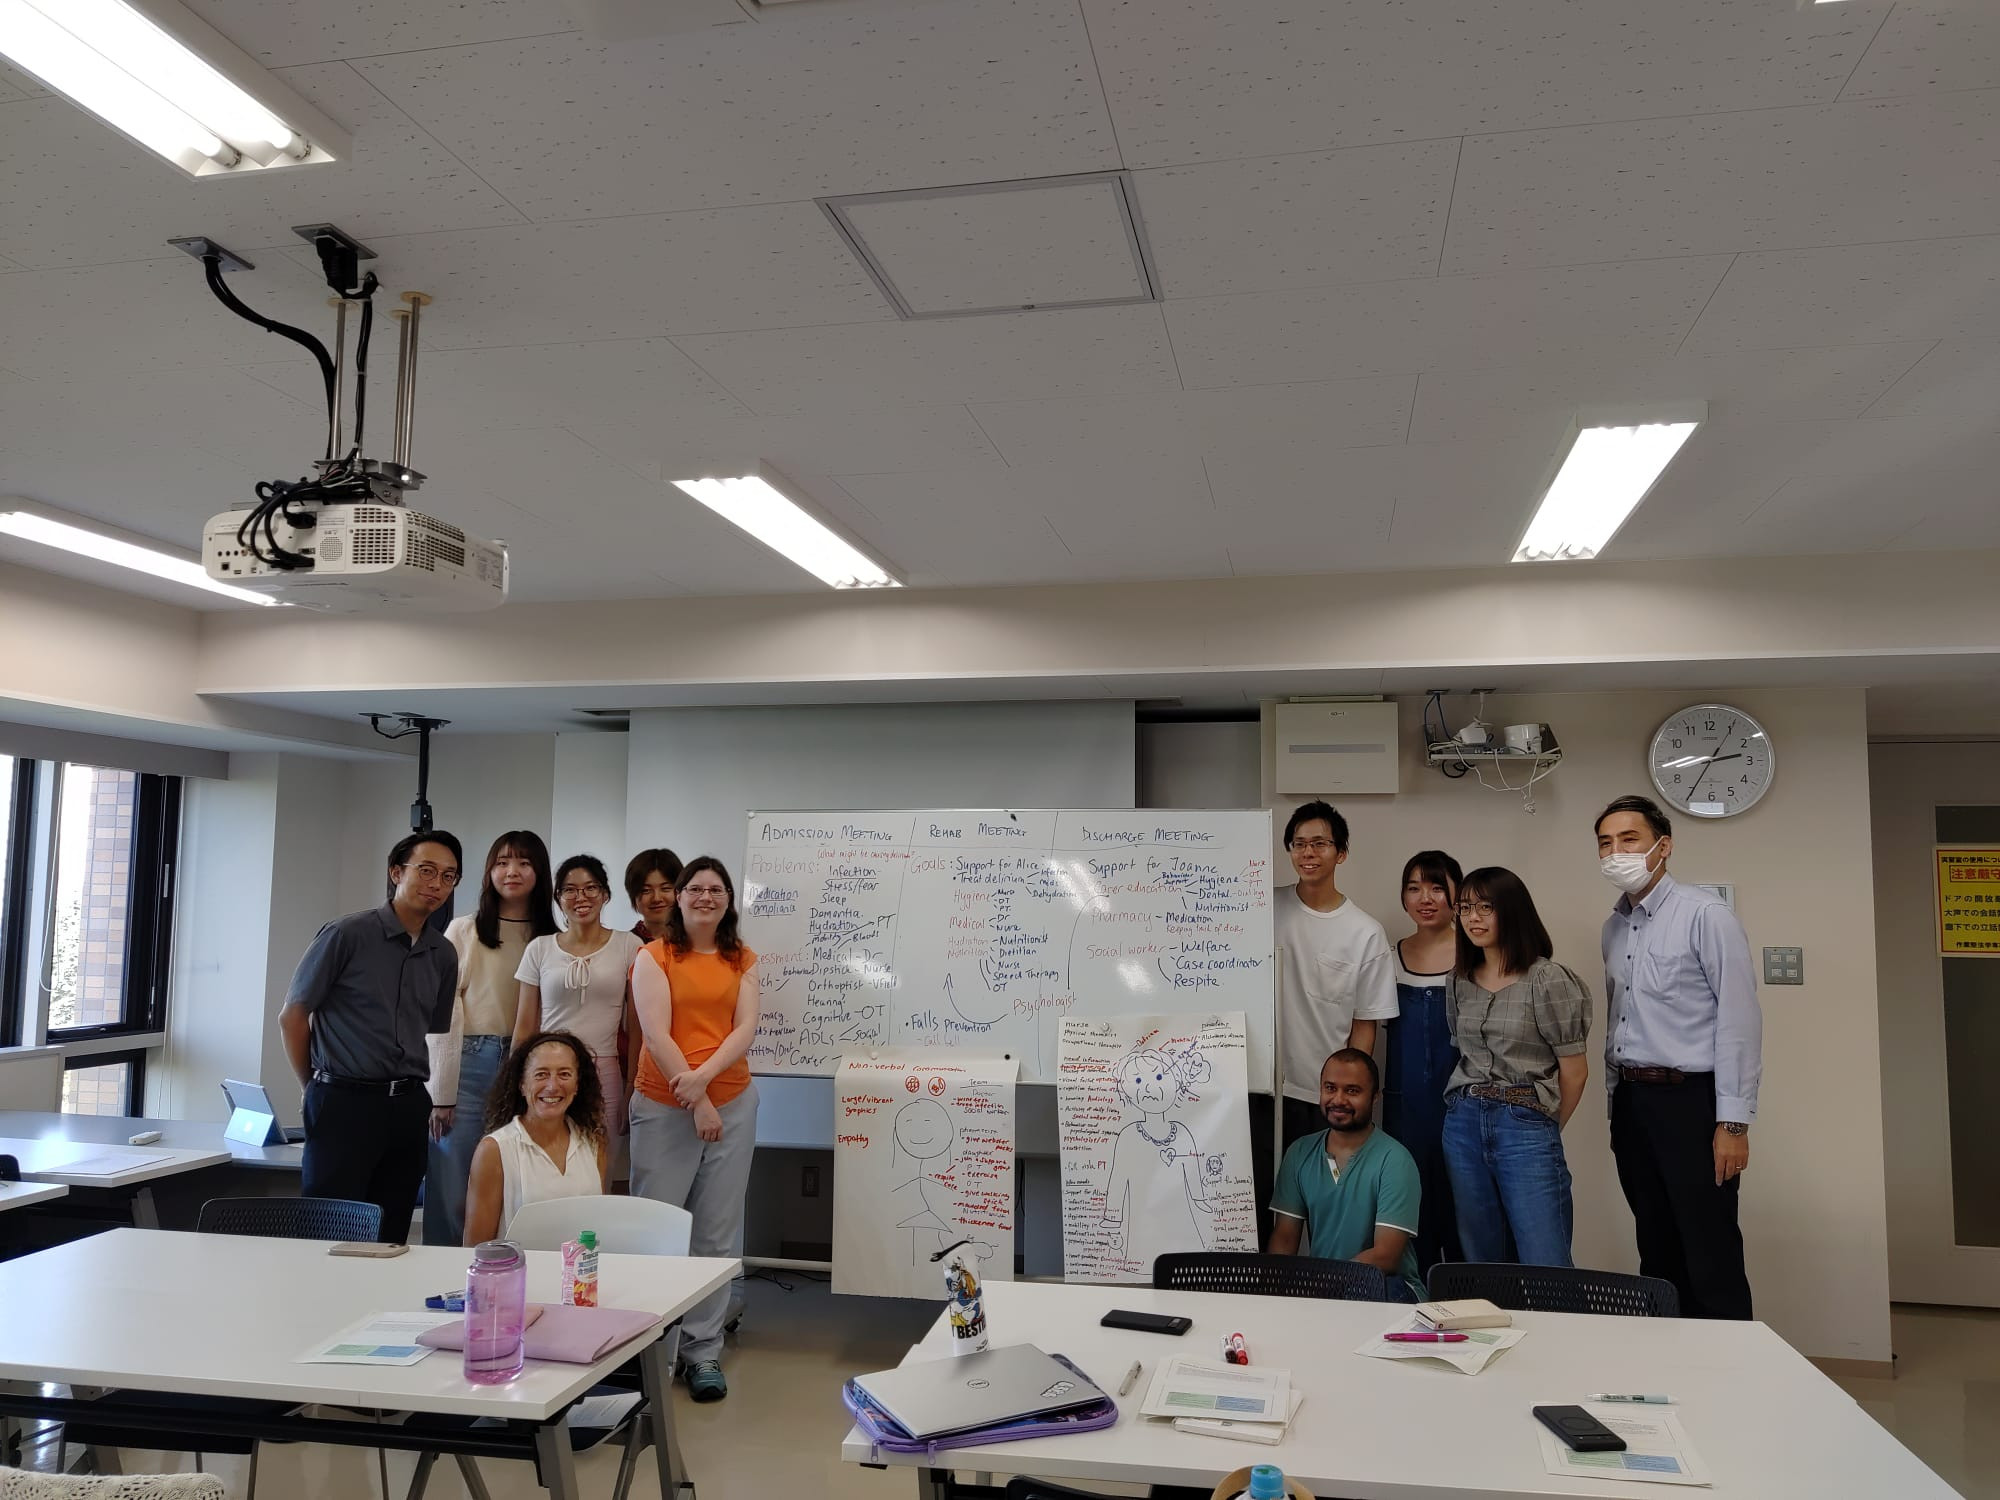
<point x="1734" y="1127"/>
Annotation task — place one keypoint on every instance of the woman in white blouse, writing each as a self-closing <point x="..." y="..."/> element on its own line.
<point x="545" y="1135"/>
<point x="579" y="981"/>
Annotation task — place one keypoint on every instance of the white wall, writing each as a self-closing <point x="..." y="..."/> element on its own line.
<point x="587" y="815"/>
<point x="1813" y="1201"/>
<point x="1910" y="781"/>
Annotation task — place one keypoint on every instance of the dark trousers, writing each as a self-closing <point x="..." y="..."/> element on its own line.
<point x="1663" y="1136"/>
<point x="367" y="1145"/>
<point x="1301" y="1118"/>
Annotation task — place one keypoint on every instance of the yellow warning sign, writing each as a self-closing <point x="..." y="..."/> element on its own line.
<point x="1969" y="902"/>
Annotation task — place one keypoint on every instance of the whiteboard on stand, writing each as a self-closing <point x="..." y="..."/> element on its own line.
<point x="984" y="929"/>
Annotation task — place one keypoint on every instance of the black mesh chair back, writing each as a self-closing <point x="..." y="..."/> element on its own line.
<point x="291" y="1218"/>
<point x="1270" y="1276"/>
<point x="1555" y="1289"/>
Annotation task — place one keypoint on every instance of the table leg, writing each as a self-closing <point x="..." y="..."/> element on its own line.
<point x="656" y="1375"/>
<point x="558" y="1462"/>
<point x="934" y="1484"/>
<point x="145" y="1214"/>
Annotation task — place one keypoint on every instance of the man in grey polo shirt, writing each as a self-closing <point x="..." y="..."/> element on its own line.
<point x="371" y="987"/>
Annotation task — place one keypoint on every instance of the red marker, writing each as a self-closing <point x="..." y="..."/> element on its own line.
<point x="1425" y="1338"/>
<point x="1235" y="1351"/>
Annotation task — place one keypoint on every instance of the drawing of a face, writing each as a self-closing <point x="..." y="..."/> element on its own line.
<point x="937" y="1088"/>
<point x="923" y="1129"/>
<point x="1148" y="1081"/>
<point x="913" y="1083"/>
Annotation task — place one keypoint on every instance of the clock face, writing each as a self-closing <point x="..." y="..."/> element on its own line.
<point x="1712" y="761"/>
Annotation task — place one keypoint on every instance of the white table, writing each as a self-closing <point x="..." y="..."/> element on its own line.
<point x="45" y="1160"/>
<point x="21" y="1194"/>
<point x="1768" y="1425"/>
<point x="221" y="1315"/>
<point x="200" y="1136"/>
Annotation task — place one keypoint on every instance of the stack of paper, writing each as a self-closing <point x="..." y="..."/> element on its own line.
<point x="1251" y="1403"/>
<point x="1472" y="1356"/>
<point x="1656" y="1448"/>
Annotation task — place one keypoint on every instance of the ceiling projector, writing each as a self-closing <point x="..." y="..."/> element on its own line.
<point x="342" y="540"/>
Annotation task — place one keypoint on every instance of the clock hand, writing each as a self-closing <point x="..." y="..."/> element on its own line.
<point x="1710" y="765"/>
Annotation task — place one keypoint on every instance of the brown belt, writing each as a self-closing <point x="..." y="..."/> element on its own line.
<point x="1651" y="1075"/>
<point x="1507" y="1093"/>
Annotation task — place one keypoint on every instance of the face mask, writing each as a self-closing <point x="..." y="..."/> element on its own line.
<point x="1628" y="871"/>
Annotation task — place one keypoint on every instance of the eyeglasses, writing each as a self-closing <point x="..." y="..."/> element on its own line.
<point x="703" y="890"/>
<point x="569" y="891"/>
<point x="431" y="874"/>
<point x="1311" y="846"/>
<point x="1475" y="908"/>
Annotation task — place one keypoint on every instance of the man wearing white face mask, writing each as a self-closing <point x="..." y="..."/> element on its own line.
<point x="1682" y="1052"/>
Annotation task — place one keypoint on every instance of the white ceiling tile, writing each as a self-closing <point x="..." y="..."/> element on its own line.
<point x="1457" y="322"/>
<point x="1774" y="385"/>
<point x="1191" y="424"/>
<point x="1929" y="46"/>
<point x="1210" y="79"/>
<point x="72" y="192"/>
<point x="280" y="34"/>
<point x="1007" y="356"/>
<point x="1754" y="180"/>
<point x="1375" y="213"/>
<point x="771" y="266"/>
<point x="891" y="441"/>
<point x="838" y="102"/>
<point x="1060" y="241"/>
<point x="14" y="84"/>
<point x="1789" y="299"/>
<point x="1957" y="382"/>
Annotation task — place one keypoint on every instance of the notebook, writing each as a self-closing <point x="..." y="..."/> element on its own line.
<point x="1467" y="1312"/>
<point x="568" y="1335"/>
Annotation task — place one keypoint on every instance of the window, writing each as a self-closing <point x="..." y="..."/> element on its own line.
<point x="87" y="857"/>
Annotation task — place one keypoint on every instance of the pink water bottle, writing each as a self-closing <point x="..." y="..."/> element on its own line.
<point x="496" y="1312"/>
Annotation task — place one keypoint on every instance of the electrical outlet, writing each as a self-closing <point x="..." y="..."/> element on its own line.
<point x="809" y="1182"/>
<point x="1784" y="966"/>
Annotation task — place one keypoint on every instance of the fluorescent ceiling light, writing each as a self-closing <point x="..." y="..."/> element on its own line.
<point x="30" y="527"/>
<point x="161" y="76"/>
<point x="1608" y="469"/>
<point x="787" y="529"/>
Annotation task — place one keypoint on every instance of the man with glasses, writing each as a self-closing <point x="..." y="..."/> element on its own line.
<point x="369" y="990"/>
<point x="1336" y="982"/>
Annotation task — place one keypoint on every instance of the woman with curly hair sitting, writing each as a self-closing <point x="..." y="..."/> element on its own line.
<point x="544" y="1134"/>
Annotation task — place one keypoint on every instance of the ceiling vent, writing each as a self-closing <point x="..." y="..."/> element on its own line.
<point x="995" y="247"/>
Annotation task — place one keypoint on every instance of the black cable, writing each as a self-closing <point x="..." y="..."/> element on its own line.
<point x="368" y="285"/>
<point x="299" y="336"/>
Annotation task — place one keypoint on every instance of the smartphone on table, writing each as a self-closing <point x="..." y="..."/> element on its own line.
<point x="1579" y="1429"/>
<point x="1145" y="1322"/>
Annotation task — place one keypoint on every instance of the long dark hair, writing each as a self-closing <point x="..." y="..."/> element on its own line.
<point x="541" y="900"/>
<point x="727" y="942"/>
<point x="505" y="1102"/>
<point x="1523" y="938"/>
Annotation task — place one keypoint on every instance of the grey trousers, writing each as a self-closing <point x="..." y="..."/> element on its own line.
<point x="710" y="1179"/>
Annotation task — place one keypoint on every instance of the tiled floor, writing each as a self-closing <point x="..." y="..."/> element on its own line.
<point x="779" y="1432"/>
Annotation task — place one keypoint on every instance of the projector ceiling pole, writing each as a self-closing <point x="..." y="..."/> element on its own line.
<point x="334" y="437"/>
<point x="420" y="810"/>
<point x="401" y="442"/>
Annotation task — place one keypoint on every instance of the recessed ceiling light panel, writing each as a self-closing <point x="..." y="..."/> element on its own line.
<point x="1608" y="464"/>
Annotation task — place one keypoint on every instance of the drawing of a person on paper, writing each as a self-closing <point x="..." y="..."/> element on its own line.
<point x="1157" y="1188"/>
<point x="924" y="1132"/>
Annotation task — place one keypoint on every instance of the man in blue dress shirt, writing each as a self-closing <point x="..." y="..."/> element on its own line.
<point x="1682" y="1053"/>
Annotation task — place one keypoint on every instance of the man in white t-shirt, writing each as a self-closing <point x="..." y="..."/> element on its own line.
<point x="1336" y="977"/>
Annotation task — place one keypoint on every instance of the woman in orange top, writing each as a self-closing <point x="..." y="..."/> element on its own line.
<point x="694" y="1112"/>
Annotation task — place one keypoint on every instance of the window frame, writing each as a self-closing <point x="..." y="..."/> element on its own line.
<point x="153" y="861"/>
<point x="14" y="910"/>
<point x="135" y="1083"/>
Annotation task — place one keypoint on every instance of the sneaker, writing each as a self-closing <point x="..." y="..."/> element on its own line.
<point x="705" y="1382"/>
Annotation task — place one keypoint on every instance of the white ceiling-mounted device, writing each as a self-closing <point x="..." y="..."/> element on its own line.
<point x="1337" y="748"/>
<point x="343" y="540"/>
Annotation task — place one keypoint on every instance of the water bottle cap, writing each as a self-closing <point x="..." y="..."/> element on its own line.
<point x="588" y="1239"/>
<point x="1267" y="1482"/>
<point x="496" y="1255"/>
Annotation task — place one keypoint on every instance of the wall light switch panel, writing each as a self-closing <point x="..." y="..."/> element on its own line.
<point x="1784" y="966"/>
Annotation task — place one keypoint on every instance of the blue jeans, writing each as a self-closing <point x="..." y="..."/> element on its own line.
<point x="1509" y="1180"/>
<point x="1417" y="1066"/>
<point x="450" y="1165"/>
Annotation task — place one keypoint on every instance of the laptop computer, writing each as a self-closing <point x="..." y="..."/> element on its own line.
<point x="250" y="1099"/>
<point x="935" y="1397"/>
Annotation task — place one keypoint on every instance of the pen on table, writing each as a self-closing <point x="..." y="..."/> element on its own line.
<point x="1635" y="1400"/>
<point x="1425" y="1338"/>
<point x="1131" y="1375"/>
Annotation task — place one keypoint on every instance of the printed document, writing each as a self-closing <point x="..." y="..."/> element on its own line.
<point x="1206" y="1388"/>
<point x="1470" y="1357"/>
<point x="388" y="1338"/>
<point x="1656" y="1448"/>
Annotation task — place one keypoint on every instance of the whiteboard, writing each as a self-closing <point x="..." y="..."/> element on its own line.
<point x="983" y="929"/>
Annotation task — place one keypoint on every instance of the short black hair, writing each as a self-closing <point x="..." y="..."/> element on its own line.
<point x="1305" y="812"/>
<point x="590" y="864"/>
<point x="1435" y="867"/>
<point x="1645" y="807"/>
<point x="645" y="863"/>
<point x="405" y="846"/>
<point x="1356" y="1055"/>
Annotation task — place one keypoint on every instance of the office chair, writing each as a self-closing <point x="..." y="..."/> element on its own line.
<point x="1566" y="1289"/>
<point x="1251" y="1274"/>
<point x="335" y="1219"/>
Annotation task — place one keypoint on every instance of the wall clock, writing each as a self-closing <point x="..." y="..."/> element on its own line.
<point x="1712" y="761"/>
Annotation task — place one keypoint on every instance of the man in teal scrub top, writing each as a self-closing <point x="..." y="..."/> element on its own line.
<point x="1349" y="1192"/>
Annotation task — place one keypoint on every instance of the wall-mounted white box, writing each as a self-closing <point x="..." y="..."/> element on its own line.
<point x="1328" y="748"/>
